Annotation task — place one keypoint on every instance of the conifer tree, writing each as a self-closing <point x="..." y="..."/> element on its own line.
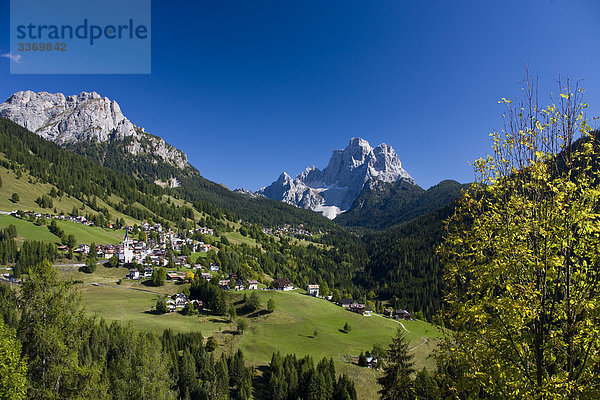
<point x="396" y="381"/>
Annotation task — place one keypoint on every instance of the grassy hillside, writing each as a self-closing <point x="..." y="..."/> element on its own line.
<point x="289" y="329"/>
<point x="29" y="189"/>
<point x="83" y="234"/>
<point x="25" y="153"/>
<point x="27" y="230"/>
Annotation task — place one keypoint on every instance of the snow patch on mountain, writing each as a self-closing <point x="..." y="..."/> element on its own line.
<point x="332" y="190"/>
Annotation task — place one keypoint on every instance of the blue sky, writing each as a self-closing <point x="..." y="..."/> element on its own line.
<point x="251" y="89"/>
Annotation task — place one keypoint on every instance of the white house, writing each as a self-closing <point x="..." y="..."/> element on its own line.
<point x="312" y="290"/>
<point x="134" y="273"/>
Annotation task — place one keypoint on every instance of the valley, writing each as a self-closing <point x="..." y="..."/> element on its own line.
<point x="252" y="238"/>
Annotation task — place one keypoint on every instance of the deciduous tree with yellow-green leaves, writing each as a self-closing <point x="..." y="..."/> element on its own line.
<point x="13" y="368"/>
<point x="522" y="257"/>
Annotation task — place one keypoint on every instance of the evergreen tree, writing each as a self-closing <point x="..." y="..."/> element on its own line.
<point x="253" y="302"/>
<point x="222" y="378"/>
<point x="71" y="241"/>
<point x="362" y="360"/>
<point x="344" y="389"/>
<point x="93" y="251"/>
<point x="159" y="277"/>
<point x="187" y="373"/>
<point x="113" y="262"/>
<point x="8" y="306"/>
<point x="161" y="305"/>
<point x="211" y="344"/>
<point x="396" y="381"/>
<point x="11" y="231"/>
<point x="347" y="328"/>
<point x="90" y="265"/>
<point x="241" y="325"/>
<point x="426" y="387"/>
<point x="232" y="312"/>
<point x="270" y="305"/>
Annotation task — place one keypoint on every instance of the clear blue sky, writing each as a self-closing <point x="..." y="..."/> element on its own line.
<point x="249" y="89"/>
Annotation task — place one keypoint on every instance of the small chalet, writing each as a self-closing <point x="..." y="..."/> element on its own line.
<point x="180" y="300"/>
<point x="358" y="308"/>
<point x="371" y="362"/>
<point x="204" y="248"/>
<point x="134" y="274"/>
<point x="205" y="275"/>
<point x="214" y="267"/>
<point x="83" y="248"/>
<point x="252" y="285"/>
<point x="402" y="314"/>
<point x="172" y="276"/>
<point x="312" y="290"/>
<point x="171" y="305"/>
<point x="224" y="283"/>
<point x="346" y="302"/>
<point x="283" y="284"/>
<point x="239" y="285"/>
<point x="181" y="260"/>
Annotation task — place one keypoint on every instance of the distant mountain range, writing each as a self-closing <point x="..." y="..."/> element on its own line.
<point x="95" y="127"/>
<point x="333" y="190"/>
<point x="361" y="185"/>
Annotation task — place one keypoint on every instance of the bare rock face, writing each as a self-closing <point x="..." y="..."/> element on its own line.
<point x="332" y="190"/>
<point x="86" y="117"/>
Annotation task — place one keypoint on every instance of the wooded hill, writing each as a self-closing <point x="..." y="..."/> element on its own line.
<point x="398" y="263"/>
<point x="206" y="195"/>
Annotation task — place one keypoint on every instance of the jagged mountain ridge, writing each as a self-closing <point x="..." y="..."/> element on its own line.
<point x="95" y="127"/>
<point x="78" y="121"/>
<point x="333" y="190"/>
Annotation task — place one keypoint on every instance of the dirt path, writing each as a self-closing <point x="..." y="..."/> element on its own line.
<point x="425" y="340"/>
<point x="395" y="320"/>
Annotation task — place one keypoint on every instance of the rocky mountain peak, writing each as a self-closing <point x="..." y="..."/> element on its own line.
<point x="332" y="190"/>
<point x="85" y="118"/>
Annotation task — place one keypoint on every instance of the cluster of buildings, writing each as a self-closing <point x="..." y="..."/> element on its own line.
<point x="360" y="308"/>
<point x="178" y="302"/>
<point x="233" y="283"/>
<point x="288" y="230"/>
<point x="354" y="306"/>
<point x="155" y="251"/>
<point x="398" y="314"/>
<point x="77" y="219"/>
<point x="132" y="250"/>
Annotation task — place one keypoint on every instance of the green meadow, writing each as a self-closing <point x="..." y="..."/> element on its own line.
<point x="83" y="234"/>
<point x="289" y="329"/>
